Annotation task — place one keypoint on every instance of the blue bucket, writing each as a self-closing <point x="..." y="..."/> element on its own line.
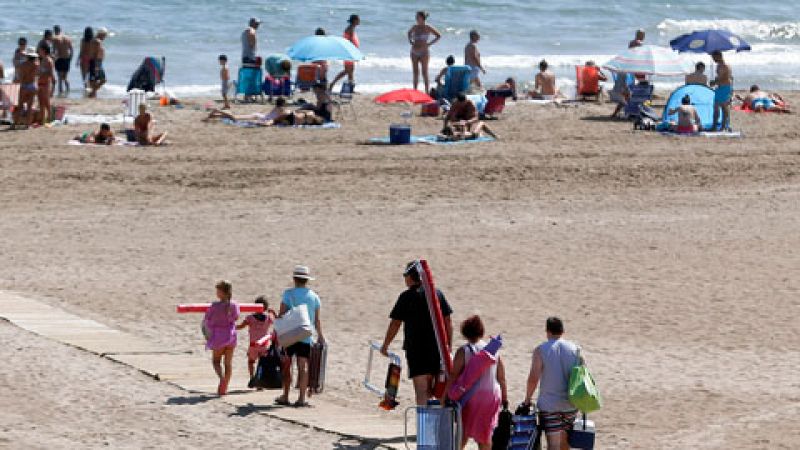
<point x="400" y="134"/>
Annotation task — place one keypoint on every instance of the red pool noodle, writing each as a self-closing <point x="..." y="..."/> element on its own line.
<point x="203" y="307"/>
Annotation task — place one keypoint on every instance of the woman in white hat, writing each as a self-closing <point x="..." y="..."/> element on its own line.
<point x="301" y="351"/>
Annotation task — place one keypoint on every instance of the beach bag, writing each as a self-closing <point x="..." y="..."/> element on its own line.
<point x="268" y="374"/>
<point x="583" y="393"/>
<point x="294" y="326"/>
<point x="463" y="388"/>
<point x="502" y="433"/>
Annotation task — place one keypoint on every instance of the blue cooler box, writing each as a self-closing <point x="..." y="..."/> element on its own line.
<point x="399" y="134"/>
<point x="582" y="434"/>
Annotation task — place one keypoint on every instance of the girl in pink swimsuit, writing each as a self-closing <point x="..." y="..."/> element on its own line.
<point x="258" y="325"/>
<point x="220" y="325"/>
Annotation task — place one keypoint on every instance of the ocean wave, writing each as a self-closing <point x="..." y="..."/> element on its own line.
<point x="760" y="30"/>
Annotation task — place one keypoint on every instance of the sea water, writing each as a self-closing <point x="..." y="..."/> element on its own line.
<point x="516" y="35"/>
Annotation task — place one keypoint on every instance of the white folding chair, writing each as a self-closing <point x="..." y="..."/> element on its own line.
<point x="345" y="98"/>
<point x="135" y="98"/>
<point x="9" y="97"/>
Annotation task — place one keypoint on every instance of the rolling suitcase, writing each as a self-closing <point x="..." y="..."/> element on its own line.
<point x="316" y="367"/>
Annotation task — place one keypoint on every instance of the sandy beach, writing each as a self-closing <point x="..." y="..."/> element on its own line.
<point x="673" y="261"/>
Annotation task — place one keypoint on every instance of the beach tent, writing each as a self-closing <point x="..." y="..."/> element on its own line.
<point x="149" y="74"/>
<point x="702" y="99"/>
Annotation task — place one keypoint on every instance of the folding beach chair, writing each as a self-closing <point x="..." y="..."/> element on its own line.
<point x="248" y="83"/>
<point x="640" y="93"/>
<point x="457" y="79"/>
<point x="345" y="98"/>
<point x="131" y="104"/>
<point x="9" y="97"/>
<point x="588" y="82"/>
<point x="307" y="76"/>
<point x="495" y="102"/>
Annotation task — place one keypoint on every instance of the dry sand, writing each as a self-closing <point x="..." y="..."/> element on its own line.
<point x="673" y="261"/>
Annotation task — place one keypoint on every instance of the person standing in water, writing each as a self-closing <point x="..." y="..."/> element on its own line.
<point x="97" y="53"/>
<point x="62" y="52"/>
<point x="250" y="42"/>
<point x="472" y="58"/>
<point x="419" y="36"/>
<point x="83" y="54"/>
<point x="220" y="325"/>
<point x="723" y="92"/>
<point x="19" y="56"/>
<point x="349" y="66"/>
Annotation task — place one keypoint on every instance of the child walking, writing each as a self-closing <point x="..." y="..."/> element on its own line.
<point x="220" y="324"/>
<point x="258" y="325"/>
<point x="225" y="80"/>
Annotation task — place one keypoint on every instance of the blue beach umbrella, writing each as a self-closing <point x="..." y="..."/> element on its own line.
<point x="650" y="60"/>
<point x="709" y="41"/>
<point x="324" y="48"/>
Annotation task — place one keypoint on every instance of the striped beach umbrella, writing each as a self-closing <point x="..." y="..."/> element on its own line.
<point x="650" y="60"/>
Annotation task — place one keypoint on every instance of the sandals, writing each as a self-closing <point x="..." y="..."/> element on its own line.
<point x="299" y="404"/>
<point x="281" y="401"/>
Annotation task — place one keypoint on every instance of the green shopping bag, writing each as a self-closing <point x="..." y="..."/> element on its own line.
<point x="583" y="393"/>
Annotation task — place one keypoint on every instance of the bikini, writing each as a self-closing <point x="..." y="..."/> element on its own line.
<point x="421" y="37"/>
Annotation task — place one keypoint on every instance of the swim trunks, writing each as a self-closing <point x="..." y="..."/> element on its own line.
<point x="723" y="94"/>
<point x="30" y="87"/>
<point x="686" y="130"/>
<point x="555" y="422"/>
<point x="96" y="72"/>
<point x="474" y="72"/>
<point x="763" y="103"/>
<point x="62" y="65"/>
<point x="224" y="87"/>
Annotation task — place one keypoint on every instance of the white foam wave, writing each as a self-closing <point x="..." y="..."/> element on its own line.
<point x="764" y="31"/>
<point x="490" y="61"/>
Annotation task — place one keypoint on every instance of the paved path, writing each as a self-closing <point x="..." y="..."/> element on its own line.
<point x="192" y="372"/>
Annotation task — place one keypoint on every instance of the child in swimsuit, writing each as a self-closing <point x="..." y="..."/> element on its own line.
<point x="220" y="322"/>
<point x="258" y="326"/>
<point x="688" y="120"/>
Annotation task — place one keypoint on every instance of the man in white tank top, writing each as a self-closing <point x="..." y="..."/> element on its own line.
<point x="553" y="361"/>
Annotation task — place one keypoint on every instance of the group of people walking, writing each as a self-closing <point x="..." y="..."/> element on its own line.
<point x="550" y="368"/>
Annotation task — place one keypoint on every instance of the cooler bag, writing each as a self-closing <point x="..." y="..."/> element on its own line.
<point x="294" y="326"/>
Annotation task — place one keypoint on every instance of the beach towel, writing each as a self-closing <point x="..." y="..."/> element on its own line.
<point x="83" y="119"/>
<point x="257" y="124"/>
<point x="431" y="140"/>
<point x="118" y="142"/>
<point x="707" y="134"/>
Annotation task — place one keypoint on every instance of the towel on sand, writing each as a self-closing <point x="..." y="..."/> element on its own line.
<point x="708" y="134"/>
<point x="431" y="140"/>
<point x="256" y="124"/>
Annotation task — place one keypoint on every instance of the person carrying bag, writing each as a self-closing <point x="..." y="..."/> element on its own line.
<point x="298" y="320"/>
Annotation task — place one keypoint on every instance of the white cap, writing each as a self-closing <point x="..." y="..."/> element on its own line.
<point x="302" y="272"/>
<point x="102" y="30"/>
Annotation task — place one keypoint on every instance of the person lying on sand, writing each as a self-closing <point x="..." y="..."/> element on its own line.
<point x="465" y="131"/>
<point x="104" y="136"/>
<point x="280" y="116"/>
<point x="762" y="101"/>
<point x="688" y="120"/>
<point x="143" y="126"/>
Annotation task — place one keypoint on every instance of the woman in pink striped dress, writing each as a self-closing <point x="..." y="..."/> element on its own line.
<point x="220" y="325"/>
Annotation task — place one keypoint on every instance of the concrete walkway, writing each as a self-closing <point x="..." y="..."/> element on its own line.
<point x="193" y="373"/>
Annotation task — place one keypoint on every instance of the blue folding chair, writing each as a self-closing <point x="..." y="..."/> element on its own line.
<point x="249" y="82"/>
<point x="456" y="80"/>
<point x="640" y="93"/>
